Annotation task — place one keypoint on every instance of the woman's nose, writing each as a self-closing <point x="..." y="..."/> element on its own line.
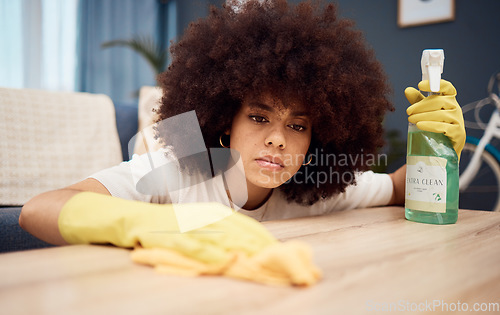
<point x="276" y="138"/>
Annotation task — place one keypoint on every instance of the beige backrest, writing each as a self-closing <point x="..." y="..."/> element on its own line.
<point x="49" y="140"/>
<point x="149" y="99"/>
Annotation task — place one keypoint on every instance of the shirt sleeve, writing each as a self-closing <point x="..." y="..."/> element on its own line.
<point x="129" y="180"/>
<point x="371" y="190"/>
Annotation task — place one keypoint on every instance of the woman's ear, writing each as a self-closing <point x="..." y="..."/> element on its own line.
<point x="227" y="132"/>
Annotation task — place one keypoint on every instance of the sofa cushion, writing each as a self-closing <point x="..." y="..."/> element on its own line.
<point x="49" y="140"/>
<point x="12" y="236"/>
<point x="127" y="124"/>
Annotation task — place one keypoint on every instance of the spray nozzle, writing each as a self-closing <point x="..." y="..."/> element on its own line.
<point x="432" y="67"/>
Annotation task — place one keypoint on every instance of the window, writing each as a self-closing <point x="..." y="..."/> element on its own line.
<point x="38" y="44"/>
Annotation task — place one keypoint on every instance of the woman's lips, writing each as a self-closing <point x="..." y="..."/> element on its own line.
<point x="270" y="163"/>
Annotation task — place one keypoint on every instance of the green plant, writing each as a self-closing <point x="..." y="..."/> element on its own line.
<point x="145" y="46"/>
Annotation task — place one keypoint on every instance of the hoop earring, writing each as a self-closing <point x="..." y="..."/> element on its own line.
<point x="308" y="162"/>
<point x="222" y="144"/>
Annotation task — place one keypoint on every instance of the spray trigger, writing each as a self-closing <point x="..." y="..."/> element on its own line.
<point x="432" y="66"/>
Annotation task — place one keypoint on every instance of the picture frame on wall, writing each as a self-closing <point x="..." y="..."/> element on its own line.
<point x="422" y="12"/>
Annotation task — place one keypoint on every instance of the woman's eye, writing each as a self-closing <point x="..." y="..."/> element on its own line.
<point x="297" y="127"/>
<point x="258" y="119"/>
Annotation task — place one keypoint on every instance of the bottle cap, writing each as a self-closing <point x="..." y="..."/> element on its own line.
<point x="432" y="66"/>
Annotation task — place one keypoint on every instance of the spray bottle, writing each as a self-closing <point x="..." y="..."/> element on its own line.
<point x="432" y="164"/>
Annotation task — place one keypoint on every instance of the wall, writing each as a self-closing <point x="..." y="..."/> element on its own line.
<point x="190" y="10"/>
<point x="471" y="44"/>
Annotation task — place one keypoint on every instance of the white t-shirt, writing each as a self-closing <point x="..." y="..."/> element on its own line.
<point x="156" y="178"/>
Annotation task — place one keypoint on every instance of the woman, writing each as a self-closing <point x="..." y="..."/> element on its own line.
<point x="292" y="89"/>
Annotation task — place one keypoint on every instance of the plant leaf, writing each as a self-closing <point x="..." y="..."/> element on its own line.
<point x="146" y="47"/>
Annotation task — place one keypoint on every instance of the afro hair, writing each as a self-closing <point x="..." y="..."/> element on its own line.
<point x="303" y="52"/>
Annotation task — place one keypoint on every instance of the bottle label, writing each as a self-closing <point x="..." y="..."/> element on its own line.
<point x="426" y="183"/>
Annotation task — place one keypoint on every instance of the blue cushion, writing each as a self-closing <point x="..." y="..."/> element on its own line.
<point x="127" y="124"/>
<point x="12" y="236"/>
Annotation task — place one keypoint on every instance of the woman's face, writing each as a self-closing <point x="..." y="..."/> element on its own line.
<point x="271" y="139"/>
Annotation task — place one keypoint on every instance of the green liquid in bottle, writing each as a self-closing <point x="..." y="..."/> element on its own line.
<point x="424" y="143"/>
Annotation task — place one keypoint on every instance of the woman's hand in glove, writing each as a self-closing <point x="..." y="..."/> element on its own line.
<point x="437" y="113"/>
<point x="188" y="239"/>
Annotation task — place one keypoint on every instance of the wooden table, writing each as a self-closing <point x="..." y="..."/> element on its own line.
<point x="372" y="259"/>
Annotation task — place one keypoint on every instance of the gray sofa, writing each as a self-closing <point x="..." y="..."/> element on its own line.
<point x="12" y="237"/>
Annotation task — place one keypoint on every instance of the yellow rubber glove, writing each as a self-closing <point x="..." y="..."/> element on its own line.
<point x="99" y="219"/>
<point x="231" y="244"/>
<point x="437" y="113"/>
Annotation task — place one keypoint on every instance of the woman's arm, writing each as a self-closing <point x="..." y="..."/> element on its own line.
<point x="398" y="185"/>
<point x="39" y="216"/>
